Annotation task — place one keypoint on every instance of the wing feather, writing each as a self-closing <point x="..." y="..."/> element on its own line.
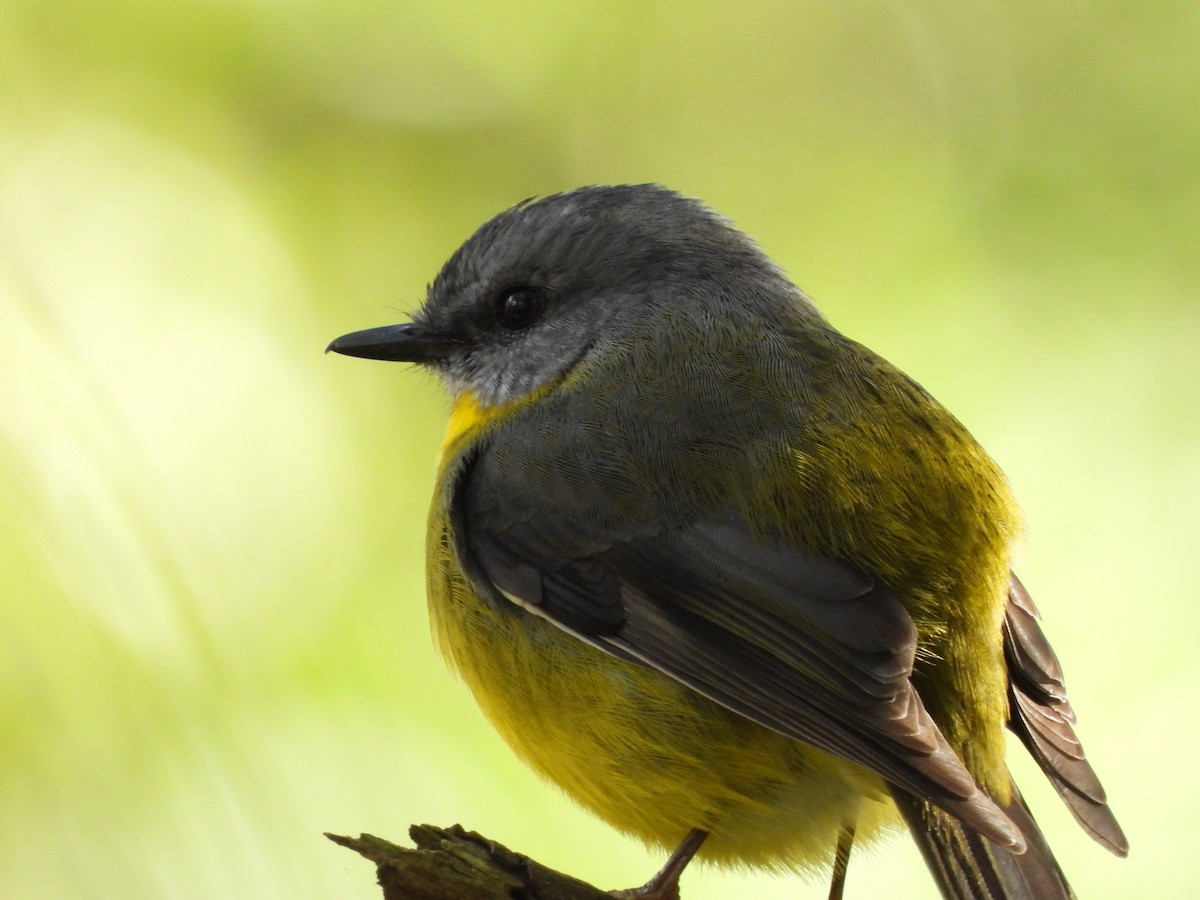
<point x="1041" y="716"/>
<point x="808" y="646"/>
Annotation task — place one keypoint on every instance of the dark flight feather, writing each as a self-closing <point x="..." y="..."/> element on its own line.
<point x="1041" y="716"/>
<point x="807" y="646"/>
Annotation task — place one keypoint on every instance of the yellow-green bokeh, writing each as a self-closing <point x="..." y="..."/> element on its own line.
<point x="213" y="643"/>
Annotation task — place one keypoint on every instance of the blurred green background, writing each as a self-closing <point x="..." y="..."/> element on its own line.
<point x="213" y="643"/>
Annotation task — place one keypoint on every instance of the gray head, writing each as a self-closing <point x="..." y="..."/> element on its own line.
<point x="547" y="282"/>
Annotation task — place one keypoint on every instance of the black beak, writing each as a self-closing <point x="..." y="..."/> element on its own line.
<point x="394" y="343"/>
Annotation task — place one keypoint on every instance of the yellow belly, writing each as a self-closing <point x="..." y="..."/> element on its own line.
<point x="649" y="756"/>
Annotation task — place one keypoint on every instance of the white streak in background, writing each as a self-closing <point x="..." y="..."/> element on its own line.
<point x="170" y="450"/>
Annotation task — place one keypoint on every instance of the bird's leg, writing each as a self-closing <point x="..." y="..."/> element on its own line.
<point x="841" y="861"/>
<point x="665" y="885"/>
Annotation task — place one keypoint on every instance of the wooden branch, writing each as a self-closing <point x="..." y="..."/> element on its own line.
<point x="456" y="864"/>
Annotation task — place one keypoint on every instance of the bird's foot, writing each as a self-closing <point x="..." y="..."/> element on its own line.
<point x="665" y="885"/>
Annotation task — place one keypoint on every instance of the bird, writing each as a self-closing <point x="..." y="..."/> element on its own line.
<point x="732" y="581"/>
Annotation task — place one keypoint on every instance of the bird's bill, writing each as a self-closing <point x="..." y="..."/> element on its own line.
<point x="393" y="343"/>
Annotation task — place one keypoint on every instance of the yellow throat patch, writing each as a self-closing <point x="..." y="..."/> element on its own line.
<point x="467" y="414"/>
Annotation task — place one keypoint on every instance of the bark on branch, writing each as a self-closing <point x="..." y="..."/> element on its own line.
<point x="456" y="864"/>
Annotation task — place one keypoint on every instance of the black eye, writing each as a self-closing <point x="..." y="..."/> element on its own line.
<point x="518" y="308"/>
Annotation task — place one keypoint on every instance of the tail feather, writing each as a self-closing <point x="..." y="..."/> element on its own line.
<point x="968" y="866"/>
